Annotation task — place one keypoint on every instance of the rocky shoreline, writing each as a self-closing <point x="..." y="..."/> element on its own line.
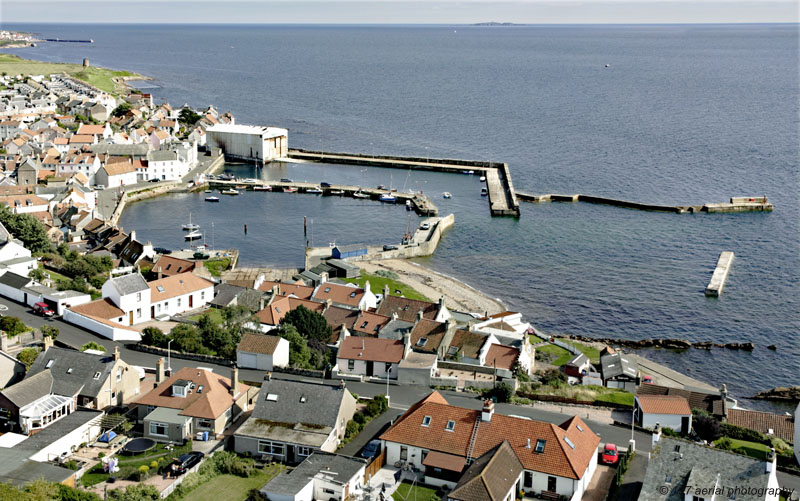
<point x="667" y="343"/>
<point x="781" y="393"/>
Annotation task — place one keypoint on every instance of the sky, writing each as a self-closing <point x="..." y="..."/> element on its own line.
<point x="399" y="12"/>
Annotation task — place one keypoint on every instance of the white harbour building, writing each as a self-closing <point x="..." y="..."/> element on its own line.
<point x="249" y="142"/>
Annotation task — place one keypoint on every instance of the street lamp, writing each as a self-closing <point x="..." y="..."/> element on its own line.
<point x="388" y="371"/>
<point x="169" y="358"/>
<point x="633" y="423"/>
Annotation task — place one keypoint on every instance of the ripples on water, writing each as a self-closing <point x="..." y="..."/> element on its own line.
<point x="683" y="115"/>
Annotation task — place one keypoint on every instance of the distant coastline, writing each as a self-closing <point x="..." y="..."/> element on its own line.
<point x="495" y="23"/>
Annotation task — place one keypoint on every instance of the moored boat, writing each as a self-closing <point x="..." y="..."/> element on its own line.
<point x="484" y="192"/>
<point x="388" y="198"/>
<point x="336" y="192"/>
<point x="447" y="194"/>
<point x="189" y="226"/>
<point x="360" y="194"/>
<point x="409" y="205"/>
<point x="212" y="199"/>
<point x="263" y="188"/>
<point x="315" y="191"/>
<point x="483" y="179"/>
<point x="290" y="189"/>
<point x="230" y="191"/>
<point x="193" y="235"/>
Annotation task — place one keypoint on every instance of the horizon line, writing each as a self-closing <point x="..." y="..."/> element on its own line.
<point x="479" y="24"/>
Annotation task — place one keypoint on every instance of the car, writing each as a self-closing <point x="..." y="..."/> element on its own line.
<point x="390" y="247"/>
<point x="286" y="180"/>
<point x="187" y="461"/>
<point x="425" y="226"/>
<point x="372" y="449"/>
<point x="325" y="185"/>
<point x="43" y="309"/>
<point x="610" y="454"/>
<point x="153" y="180"/>
<point x="647" y="379"/>
<point x="99" y="186"/>
<point x="162" y="250"/>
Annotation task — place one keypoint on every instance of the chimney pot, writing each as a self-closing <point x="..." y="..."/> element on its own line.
<point x="268" y="376"/>
<point x="160" y="371"/>
<point x="342" y="384"/>
<point x="116" y="353"/>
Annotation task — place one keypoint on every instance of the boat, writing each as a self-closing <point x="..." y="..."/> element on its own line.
<point x="290" y="189"/>
<point x="447" y="194"/>
<point x="336" y="192"/>
<point x="230" y="191"/>
<point x="189" y="226"/>
<point x="193" y="235"/>
<point x="381" y="187"/>
<point x="483" y="179"/>
<point x="360" y="194"/>
<point x="315" y="191"/>
<point x="409" y="205"/>
<point x="263" y="188"/>
<point x="388" y="198"/>
<point x="212" y="199"/>
<point x="484" y="192"/>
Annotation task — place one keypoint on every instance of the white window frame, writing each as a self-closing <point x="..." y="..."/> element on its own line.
<point x="268" y="447"/>
<point x="157" y="424"/>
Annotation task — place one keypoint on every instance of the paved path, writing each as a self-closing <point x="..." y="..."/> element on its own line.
<point x="597" y="489"/>
<point x="632" y="481"/>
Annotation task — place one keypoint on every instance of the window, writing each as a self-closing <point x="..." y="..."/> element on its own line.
<point x="388" y="367"/>
<point x="179" y="302"/>
<point x="158" y="308"/>
<point x="205" y="423"/>
<point x="677" y="448"/>
<point x="569" y="442"/>
<point x="403" y="453"/>
<point x="274" y="448"/>
<point x="364" y="324"/>
<point x="138" y="296"/>
<point x="271" y="397"/>
<point x="351" y="365"/>
<point x="579" y="428"/>
<point x="328" y="491"/>
<point x="450" y="425"/>
<point x="96" y="376"/>
<point x="540" y="445"/>
<point x="138" y="313"/>
<point x="159" y="429"/>
<point x="426" y="421"/>
<point x="202" y="294"/>
<point x="160" y="288"/>
<point x="422" y="342"/>
<point x="327" y="289"/>
<point x="49" y="363"/>
<point x="352" y="294"/>
<point x="119" y="375"/>
<point x="528" y="481"/>
<point x="303" y="451"/>
<point x="69" y="371"/>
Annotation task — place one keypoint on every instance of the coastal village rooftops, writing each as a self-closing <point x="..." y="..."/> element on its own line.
<point x="168" y="265"/>
<point x="371" y="349"/>
<point x="129" y="284"/>
<point x="100" y="308"/>
<point x="490" y="477"/>
<point x="778" y="425"/>
<point x="406" y="309"/>
<point x="258" y="343"/>
<point x="663" y="404"/>
<point x="273" y="313"/>
<point x="339" y="294"/>
<point x="177" y="285"/>
<point x="208" y="403"/>
<point x="118" y="168"/>
<point x="81" y="139"/>
<point x="92" y="130"/>
<point x="265" y="132"/>
<point x="285" y="289"/>
<point x="566" y="450"/>
<point x="466" y="344"/>
<point x="29" y="389"/>
<point x="709" y="402"/>
<point x="427" y="335"/>
<point x="74" y="372"/>
<point x="331" y="468"/>
<point x="370" y="323"/>
<point x="501" y="356"/>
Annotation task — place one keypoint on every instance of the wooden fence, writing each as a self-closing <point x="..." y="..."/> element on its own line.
<point x="375" y="466"/>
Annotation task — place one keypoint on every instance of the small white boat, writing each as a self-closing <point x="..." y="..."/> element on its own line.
<point x="208" y="191"/>
<point x="483" y="179"/>
<point x="360" y="194"/>
<point x="290" y="189"/>
<point x="409" y="205"/>
<point x="212" y="199"/>
<point x="230" y="191"/>
<point x="263" y="188"/>
<point x="447" y="194"/>
<point x="484" y="192"/>
<point x="194" y="235"/>
<point x="468" y="172"/>
<point x="388" y="198"/>
<point x="336" y="192"/>
<point x="189" y="226"/>
<point x="315" y="191"/>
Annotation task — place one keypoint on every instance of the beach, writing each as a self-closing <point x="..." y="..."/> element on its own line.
<point x="458" y="295"/>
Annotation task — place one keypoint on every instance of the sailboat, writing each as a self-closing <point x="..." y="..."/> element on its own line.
<point x="193" y="235"/>
<point x="190" y="226"/>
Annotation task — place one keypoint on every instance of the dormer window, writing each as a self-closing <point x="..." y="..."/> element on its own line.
<point x="352" y="294"/>
<point x="69" y="371"/>
<point x="364" y="324"/>
<point x="451" y="425"/>
<point x="181" y="388"/>
<point x="422" y="342"/>
<point x="96" y="375"/>
<point x="426" y="421"/>
<point x="160" y="288"/>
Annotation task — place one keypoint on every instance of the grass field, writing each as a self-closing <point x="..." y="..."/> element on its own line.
<point x="417" y="493"/>
<point x="214" y="313"/>
<point x="590" y="351"/>
<point x="99" y="77"/>
<point x="752" y="449"/>
<point x="217" y="265"/>
<point x="231" y="487"/>
<point x="376" y="283"/>
<point x="617" y="397"/>
<point x="561" y="356"/>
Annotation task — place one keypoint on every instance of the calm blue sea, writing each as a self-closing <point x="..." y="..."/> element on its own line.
<point x="684" y="114"/>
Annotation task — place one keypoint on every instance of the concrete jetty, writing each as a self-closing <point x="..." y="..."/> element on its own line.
<point x="421" y="204"/>
<point x="736" y="204"/>
<point x="502" y="199"/>
<point x="714" y="287"/>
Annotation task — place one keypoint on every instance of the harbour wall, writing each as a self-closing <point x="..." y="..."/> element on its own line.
<point x="737" y="204"/>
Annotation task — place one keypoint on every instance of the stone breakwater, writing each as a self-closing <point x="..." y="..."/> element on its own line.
<point x="667" y="343"/>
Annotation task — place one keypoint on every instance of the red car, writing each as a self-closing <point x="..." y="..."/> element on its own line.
<point x="647" y="379"/>
<point x="610" y="454"/>
<point x="43" y="309"/>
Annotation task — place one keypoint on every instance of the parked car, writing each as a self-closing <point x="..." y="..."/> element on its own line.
<point x="99" y="186"/>
<point x="162" y="250"/>
<point x="610" y="454"/>
<point x="153" y="180"/>
<point x="325" y="185"/>
<point x="286" y="180"/>
<point x="647" y="379"/>
<point x="425" y="226"/>
<point x="372" y="449"/>
<point x="187" y="461"/>
<point x="390" y="247"/>
<point x="43" y="309"/>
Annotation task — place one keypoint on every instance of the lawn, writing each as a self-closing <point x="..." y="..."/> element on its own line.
<point x="534" y="339"/>
<point x="561" y="355"/>
<point x="590" y="351"/>
<point x="616" y="397"/>
<point x="231" y="487"/>
<point x="376" y="283"/>
<point x="217" y="265"/>
<point x="752" y="449"/>
<point x="97" y="475"/>
<point x="405" y="492"/>
<point x="214" y="313"/>
<point x="99" y="77"/>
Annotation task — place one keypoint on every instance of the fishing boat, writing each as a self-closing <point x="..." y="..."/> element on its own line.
<point x="336" y="192"/>
<point x="360" y="194"/>
<point x="483" y="179"/>
<point x="447" y="194"/>
<point x="230" y="191"/>
<point x="388" y="198"/>
<point x="212" y="199"/>
<point x="484" y="192"/>
<point x="290" y="189"/>
<point x="193" y="235"/>
<point x="263" y="188"/>
<point x="189" y="226"/>
<point x="315" y="191"/>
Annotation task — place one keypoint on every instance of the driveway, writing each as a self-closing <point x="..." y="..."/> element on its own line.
<point x="600" y="483"/>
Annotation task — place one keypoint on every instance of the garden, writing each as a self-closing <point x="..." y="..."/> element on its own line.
<point x="139" y="467"/>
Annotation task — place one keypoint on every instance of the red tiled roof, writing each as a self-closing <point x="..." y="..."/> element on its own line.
<point x="258" y="343"/>
<point x="370" y="323"/>
<point x="284" y="289"/>
<point x="169" y="265"/>
<point x="177" y="285"/>
<point x="664" y="404"/>
<point x="371" y="349"/>
<point x="339" y="294"/>
<point x="432" y="332"/>
<point x="406" y="309"/>
<point x="501" y="356"/>
<point x="273" y="313"/>
<point x="782" y="425"/>
<point x="444" y="461"/>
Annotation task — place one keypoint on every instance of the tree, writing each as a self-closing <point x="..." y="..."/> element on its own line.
<point x="91" y="345"/>
<point x="503" y="392"/>
<point x="135" y="492"/>
<point x="49" y="331"/>
<point x="299" y="354"/>
<point x="188" y="116"/>
<point x="153" y="336"/>
<point x="28" y="356"/>
<point x="37" y="274"/>
<point x="12" y="325"/>
<point x="29" y="230"/>
<point x="121" y="109"/>
<point x="310" y="324"/>
<point x="707" y="428"/>
<point x="188" y="339"/>
<point x="553" y="377"/>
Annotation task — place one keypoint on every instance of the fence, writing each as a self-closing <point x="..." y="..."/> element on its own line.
<point x="375" y="466"/>
<point x="566" y="346"/>
<point x="566" y="400"/>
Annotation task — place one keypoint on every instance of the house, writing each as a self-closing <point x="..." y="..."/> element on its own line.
<point x="102" y="130"/>
<point x="429" y="336"/>
<point x="229" y="295"/>
<point x="577" y="366"/>
<point x="443" y="439"/>
<point x="407" y="309"/>
<point x="299" y="291"/>
<point x="272" y="314"/>
<point x="30" y="405"/>
<point x="179" y="293"/>
<point x="28" y="172"/>
<point x="504" y="324"/>
<point x="346" y="296"/>
<point x="18" y="469"/>
<point x="716" y="404"/>
<point x="369" y="357"/>
<point x="292" y="419"/>
<point x="679" y="469"/>
<point x="262" y="352"/>
<point x="668" y="411"/>
<point x="10" y="247"/>
<point x="116" y="174"/>
<point x="320" y="476"/>
<point x="11" y="370"/>
<point x="131" y="294"/>
<point x="63" y="437"/>
<point x="168" y="266"/>
<point x="22" y="204"/>
<point x="369" y="324"/>
<point x="417" y="368"/>
<point x="192" y="400"/>
<point x="12" y="286"/>
<point x="619" y="371"/>
<point x="495" y="476"/>
<point x="768" y="423"/>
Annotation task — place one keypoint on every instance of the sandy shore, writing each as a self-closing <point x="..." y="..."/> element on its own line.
<point x="458" y="295"/>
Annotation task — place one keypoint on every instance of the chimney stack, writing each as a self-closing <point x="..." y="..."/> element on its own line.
<point x="48" y="342"/>
<point x="268" y="376"/>
<point x="234" y="381"/>
<point x="406" y="343"/>
<point x="723" y="393"/>
<point x="160" y="274"/>
<point x="488" y="410"/>
<point x="342" y="384"/>
<point x="116" y="353"/>
<point x="385" y="291"/>
<point x="441" y="302"/>
<point x="656" y="434"/>
<point x="771" y="461"/>
<point x="420" y="315"/>
<point x="160" y="371"/>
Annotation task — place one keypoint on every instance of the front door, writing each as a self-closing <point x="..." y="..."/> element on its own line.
<point x="369" y="369"/>
<point x="684" y="424"/>
<point x="190" y="300"/>
<point x="551" y="484"/>
<point x="152" y="312"/>
<point x="130" y="318"/>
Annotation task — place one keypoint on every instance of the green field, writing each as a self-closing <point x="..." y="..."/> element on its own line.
<point x="752" y="449"/>
<point x="214" y="313"/>
<point x="376" y="283"/>
<point x="231" y="487"/>
<point x="405" y="492"/>
<point x="217" y="265"/>
<point x="616" y="397"/>
<point x="590" y="351"/>
<point x="99" y="77"/>
<point x="562" y="356"/>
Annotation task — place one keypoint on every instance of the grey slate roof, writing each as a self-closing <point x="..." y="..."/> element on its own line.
<point x="58" y="429"/>
<point x="333" y="468"/>
<point x="29" y="389"/>
<point x="162" y="156"/>
<point x="696" y="463"/>
<point x="121" y="149"/>
<point x="128" y="284"/>
<point x="618" y="364"/>
<point x="13" y="280"/>
<point x="17" y="469"/>
<point x="225" y="294"/>
<point x="578" y="360"/>
<point x="80" y="380"/>
<point x="321" y="405"/>
<point x="395" y="329"/>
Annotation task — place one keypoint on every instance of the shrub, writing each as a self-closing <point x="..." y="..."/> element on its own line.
<point x="359" y="418"/>
<point x="27" y="356"/>
<point x="707" y="428"/>
<point x="669" y="432"/>
<point x="256" y="495"/>
<point x="101" y="455"/>
<point x="13" y="326"/>
<point x="502" y="392"/>
<point x="740" y="433"/>
<point x="49" y="331"/>
<point x="154" y="465"/>
<point x="91" y="345"/>
<point x="553" y="377"/>
<point x="377" y="406"/>
<point x="725" y="444"/>
<point x="351" y="430"/>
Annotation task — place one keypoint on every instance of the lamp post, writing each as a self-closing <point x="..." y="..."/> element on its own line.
<point x="633" y="423"/>
<point x="169" y="358"/>
<point x="388" y="371"/>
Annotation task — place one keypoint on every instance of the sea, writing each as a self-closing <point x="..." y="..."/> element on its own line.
<point x="666" y="114"/>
